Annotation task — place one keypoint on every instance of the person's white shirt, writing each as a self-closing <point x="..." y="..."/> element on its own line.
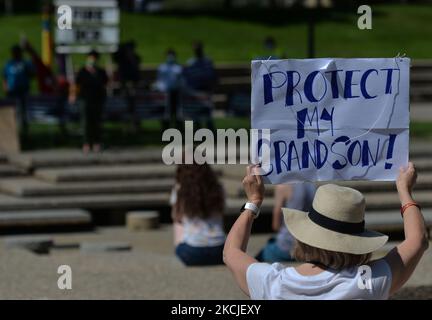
<point x="198" y="232"/>
<point x="278" y="282"/>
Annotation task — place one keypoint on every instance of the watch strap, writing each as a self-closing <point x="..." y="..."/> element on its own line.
<point x="252" y="207"/>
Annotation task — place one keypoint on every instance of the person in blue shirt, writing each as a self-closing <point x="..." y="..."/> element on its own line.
<point x="271" y="51"/>
<point x="170" y="80"/>
<point x="17" y="74"/>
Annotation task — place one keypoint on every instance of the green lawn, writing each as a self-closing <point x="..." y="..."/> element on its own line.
<point x="237" y="35"/>
<point x="421" y="129"/>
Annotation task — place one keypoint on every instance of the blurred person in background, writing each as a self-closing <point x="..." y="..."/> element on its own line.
<point x="62" y="93"/>
<point x="270" y="50"/>
<point x="17" y="74"/>
<point x="91" y="82"/>
<point x="128" y="63"/>
<point x="51" y="84"/>
<point x="297" y="196"/>
<point x="44" y="75"/>
<point x="199" y="71"/>
<point x="170" y="80"/>
<point x="200" y="75"/>
<point x="197" y="202"/>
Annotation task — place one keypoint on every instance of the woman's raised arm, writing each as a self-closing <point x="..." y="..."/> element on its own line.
<point x="234" y="255"/>
<point x="404" y="258"/>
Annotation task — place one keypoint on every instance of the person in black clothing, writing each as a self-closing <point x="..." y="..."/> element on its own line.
<point x="199" y="72"/>
<point x="128" y="63"/>
<point x="200" y="76"/>
<point x="91" y="82"/>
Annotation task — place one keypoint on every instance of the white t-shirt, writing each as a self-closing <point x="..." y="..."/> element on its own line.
<point x="199" y="232"/>
<point x="203" y="232"/>
<point x="277" y="282"/>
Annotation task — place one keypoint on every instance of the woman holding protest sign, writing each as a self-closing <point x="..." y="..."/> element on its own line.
<point x="333" y="245"/>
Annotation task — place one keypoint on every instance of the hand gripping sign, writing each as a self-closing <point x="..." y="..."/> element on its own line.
<point x="332" y="119"/>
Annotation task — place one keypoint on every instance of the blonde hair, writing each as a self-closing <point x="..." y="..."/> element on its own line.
<point x="336" y="260"/>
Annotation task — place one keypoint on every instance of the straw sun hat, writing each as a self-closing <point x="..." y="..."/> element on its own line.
<point x="335" y="222"/>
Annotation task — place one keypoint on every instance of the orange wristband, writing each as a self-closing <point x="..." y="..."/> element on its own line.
<point x="407" y="205"/>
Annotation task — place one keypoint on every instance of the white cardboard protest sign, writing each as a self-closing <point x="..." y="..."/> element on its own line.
<point x="332" y="119"/>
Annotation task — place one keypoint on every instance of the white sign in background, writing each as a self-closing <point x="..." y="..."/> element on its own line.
<point x="88" y="35"/>
<point x="95" y="24"/>
<point x="333" y="119"/>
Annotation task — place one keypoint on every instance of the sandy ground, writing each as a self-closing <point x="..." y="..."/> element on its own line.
<point x="149" y="271"/>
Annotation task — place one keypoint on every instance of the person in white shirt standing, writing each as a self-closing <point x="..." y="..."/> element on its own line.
<point x="333" y="245"/>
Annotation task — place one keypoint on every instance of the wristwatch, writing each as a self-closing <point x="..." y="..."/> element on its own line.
<point x="252" y="207"/>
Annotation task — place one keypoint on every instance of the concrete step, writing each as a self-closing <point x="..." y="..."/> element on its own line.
<point x="391" y="221"/>
<point x="420" y="148"/>
<point x="390" y="201"/>
<point x="105" y="201"/>
<point x="33" y="218"/>
<point x="237" y="171"/>
<point x="421" y="77"/>
<point x="423" y="164"/>
<point x="421" y="93"/>
<point x="31" y="187"/>
<point x="63" y="158"/>
<point x="424" y="183"/>
<point x="421" y="64"/>
<point x="9" y="170"/>
<point x="377" y="201"/>
<point x="105" y="172"/>
<point x="386" y="221"/>
<point x="140" y="220"/>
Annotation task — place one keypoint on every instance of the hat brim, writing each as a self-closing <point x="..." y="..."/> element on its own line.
<point x="308" y="232"/>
